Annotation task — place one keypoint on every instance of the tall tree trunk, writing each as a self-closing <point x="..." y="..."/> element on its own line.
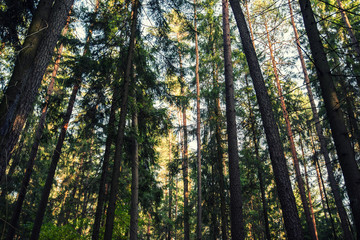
<point x="220" y="164"/>
<point x="339" y="132"/>
<point x="121" y="128"/>
<point x="28" y="73"/>
<point x="169" y="227"/>
<point x="105" y="165"/>
<point x="135" y="176"/>
<point x="35" y="145"/>
<point x="285" y="193"/>
<point x="349" y="100"/>
<point x="54" y="161"/>
<point x="307" y="183"/>
<point x="236" y="214"/>
<point x="110" y="135"/>
<point x="198" y="125"/>
<point x="23" y="64"/>
<point x="185" y="161"/>
<point x="354" y="41"/>
<point x="310" y="222"/>
<point x="333" y="184"/>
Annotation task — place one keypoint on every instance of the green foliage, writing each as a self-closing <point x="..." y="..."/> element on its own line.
<point x="51" y="232"/>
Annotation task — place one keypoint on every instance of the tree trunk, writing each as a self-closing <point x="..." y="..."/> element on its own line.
<point x="236" y="214"/>
<point x="323" y="148"/>
<point x="35" y="145"/>
<point x="121" y="128"/>
<point x="339" y="132"/>
<point x="354" y="41"/>
<point x="285" y="193"/>
<point x="54" y="161"/>
<point x="185" y="161"/>
<point x="105" y="165"/>
<point x="25" y="81"/>
<point x="169" y="228"/>
<point x="310" y="222"/>
<point x="198" y="125"/>
<point x="307" y="184"/>
<point x="135" y="176"/>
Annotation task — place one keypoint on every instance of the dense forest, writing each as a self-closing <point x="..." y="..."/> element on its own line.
<point x="180" y="119"/>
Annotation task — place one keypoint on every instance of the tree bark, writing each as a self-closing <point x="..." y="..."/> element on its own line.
<point x="34" y="148"/>
<point x="169" y="228"/>
<point x="236" y="214"/>
<point x="198" y="125"/>
<point x="343" y="146"/>
<point x="310" y="222"/>
<point x="185" y="161"/>
<point x="121" y="128"/>
<point x="28" y="73"/>
<point x="285" y="193"/>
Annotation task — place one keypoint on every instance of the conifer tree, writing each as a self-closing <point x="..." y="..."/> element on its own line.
<point x="285" y="193"/>
<point x="344" y="150"/>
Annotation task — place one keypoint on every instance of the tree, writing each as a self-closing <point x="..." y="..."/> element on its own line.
<point x="334" y="187"/>
<point x="26" y="78"/>
<point x="237" y="225"/>
<point x="286" y="196"/>
<point x="121" y="127"/>
<point x="344" y="150"/>
<point x="310" y="220"/>
<point x="198" y="125"/>
<point x="35" y="146"/>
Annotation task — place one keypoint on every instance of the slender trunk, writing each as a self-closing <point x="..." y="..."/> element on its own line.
<point x="105" y="165"/>
<point x="311" y="226"/>
<point x="343" y="146"/>
<point x="54" y="161"/>
<point x="27" y="75"/>
<point x="135" y="177"/>
<point x="323" y="148"/>
<point x="220" y="166"/>
<point x="285" y="193"/>
<point x="121" y="128"/>
<point x="35" y="145"/>
<point x="249" y="22"/>
<point x="321" y="190"/>
<point x="354" y="41"/>
<point x="236" y="214"/>
<point x="307" y="183"/>
<point x="185" y="161"/>
<point x="169" y="228"/>
<point x="198" y="136"/>
<point x="349" y="100"/>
